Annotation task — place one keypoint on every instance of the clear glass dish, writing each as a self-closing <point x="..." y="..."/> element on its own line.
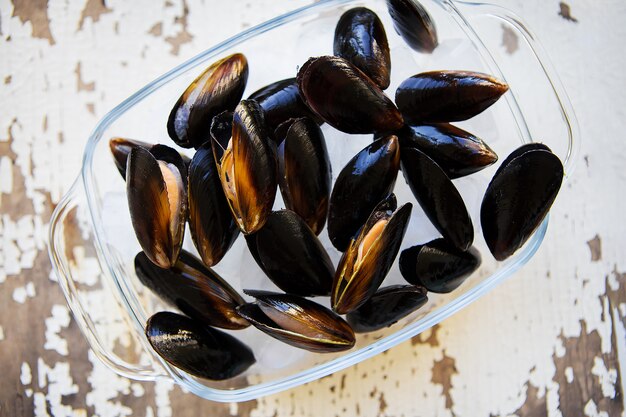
<point x="92" y="244"/>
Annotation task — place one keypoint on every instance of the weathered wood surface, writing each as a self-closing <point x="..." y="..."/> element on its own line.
<point x="548" y="342"/>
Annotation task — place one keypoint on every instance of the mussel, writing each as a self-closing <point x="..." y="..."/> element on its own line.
<point x="366" y="179"/>
<point x="361" y="39"/>
<point x="246" y="163"/>
<point x="457" y="152"/>
<point x="280" y="102"/>
<point x="120" y="149"/>
<point x="304" y="172"/>
<point x="213" y="227"/>
<point x="344" y="97"/>
<point x="386" y="307"/>
<point x="194" y="289"/>
<point x="447" y="96"/>
<point x="370" y="255"/>
<point x="217" y="89"/>
<point x="157" y="201"/>
<point x="519" y="197"/>
<point x="298" y="322"/>
<point x="196" y="348"/>
<point x="438" y="266"/>
<point x="291" y="255"/>
<point x="438" y="197"/>
<point x="414" y="24"/>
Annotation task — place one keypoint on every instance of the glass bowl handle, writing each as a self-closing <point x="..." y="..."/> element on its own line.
<point x="63" y="219"/>
<point x="469" y="10"/>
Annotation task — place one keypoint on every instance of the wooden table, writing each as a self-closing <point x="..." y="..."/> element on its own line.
<point x="548" y="342"/>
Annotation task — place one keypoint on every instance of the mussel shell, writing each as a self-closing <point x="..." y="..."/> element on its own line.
<point x="361" y="39"/>
<point x="292" y="256"/>
<point x="438" y="266"/>
<point x="357" y="280"/>
<point x="457" y="152"/>
<point x="413" y="23"/>
<point x="281" y="101"/>
<point x="298" y="322"/>
<point x="254" y="160"/>
<point x="194" y="289"/>
<point x="213" y="228"/>
<point x="518" y="198"/>
<point x="344" y="97"/>
<point x="447" y="96"/>
<point x="217" y="89"/>
<point x="438" y="197"/>
<point x="386" y="307"/>
<point x="304" y="173"/>
<point x="366" y="179"/>
<point x="121" y="147"/>
<point x="522" y="149"/>
<point x="196" y="348"/>
<point x="159" y="231"/>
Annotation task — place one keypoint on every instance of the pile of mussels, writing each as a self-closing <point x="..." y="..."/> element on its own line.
<point x="246" y="149"/>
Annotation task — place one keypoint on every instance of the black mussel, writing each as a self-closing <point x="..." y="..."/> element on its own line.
<point x="246" y="162"/>
<point x="157" y="201"/>
<point x="438" y="266"/>
<point x="438" y="197"/>
<point x="518" y="198"/>
<point x="522" y="149"/>
<point x="120" y="149"/>
<point x="298" y="322"/>
<point x="414" y="24"/>
<point x="361" y="39"/>
<point x="304" y="172"/>
<point x="217" y="89"/>
<point x="291" y="255"/>
<point x="367" y="179"/>
<point x="370" y="255"/>
<point x="447" y="96"/>
<point x="457" y="152"/>
<point x="344" y="97"/>
<point x="281" y="101"/>
<point x="197" y="348"/>
<point x="386" y="307"/>
<point x="194" y="289"/>
<point x="213" y="227"/>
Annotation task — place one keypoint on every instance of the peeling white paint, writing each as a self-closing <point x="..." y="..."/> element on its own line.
<point x="106" y="388"/>
<point x="1" y="333"/>
<point x="162" y="389"/>
<point x="607" y="377"/>
<point x="591" y="410"/>
<point x="569" y="374"/>
<point x="25" y="376"/>
<point x="20" y="294"/>
<point x="60" y="319"/>
<point x="39" y="400"/>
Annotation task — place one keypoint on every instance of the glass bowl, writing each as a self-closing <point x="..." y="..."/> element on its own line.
<point x="92" y="244"/>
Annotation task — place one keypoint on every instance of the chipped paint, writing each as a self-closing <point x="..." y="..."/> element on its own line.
<point x="510" y="41"/>
<point x="595" y="247"/>
<point x="566" y="13"/>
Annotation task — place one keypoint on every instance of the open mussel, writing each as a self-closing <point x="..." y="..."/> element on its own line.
<point x="361" y="39"/>
<point x="457" y="152"/>
<point x="194" y="289"/>
<point x="213" y="227"/>
<point x="246" y="163"/>
<point x="197" y="348"/>
<point x="280" y="102"/>
<point x="366" y="179"/>
<point x="121" y="147"/>
<point x="217" y="89"/>
<point x="344" y="97"/>
<point x="157" y="200"/>
<point x="291" y="255"/>
<point x="447" y="96"/>
<point x="304" y="172"/>
<point x="386" y="307"/>
<point x="438" y="197"/>
<point x="369" y="256"/>
<point x="438" y="266"/>
<point x="519" y="197"/>
<point x="414" y="24"/>
<point x="298" y="322"/>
